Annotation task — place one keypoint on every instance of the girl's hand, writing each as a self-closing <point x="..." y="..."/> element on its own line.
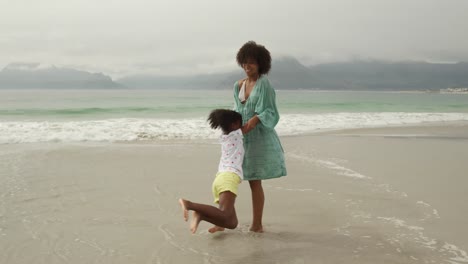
<point x="251" y="124"/>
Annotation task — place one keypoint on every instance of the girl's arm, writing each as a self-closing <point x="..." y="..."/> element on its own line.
<point x="251" y="124"/>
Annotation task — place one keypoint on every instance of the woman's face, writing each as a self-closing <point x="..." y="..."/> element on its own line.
<point x="250" y="67"/>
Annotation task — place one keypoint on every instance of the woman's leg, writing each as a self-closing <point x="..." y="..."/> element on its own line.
<point x="258" y="201"/>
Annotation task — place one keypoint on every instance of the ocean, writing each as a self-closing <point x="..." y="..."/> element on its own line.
<point x="28" y="116"/>
<point x="95" y="176"/>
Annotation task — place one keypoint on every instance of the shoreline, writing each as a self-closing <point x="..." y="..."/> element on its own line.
<point x="429" y="125"/>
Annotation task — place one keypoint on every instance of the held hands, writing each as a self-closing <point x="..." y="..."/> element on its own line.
<point x="250" y="124"/>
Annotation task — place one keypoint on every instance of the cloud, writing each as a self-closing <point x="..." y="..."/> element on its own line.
<point x="122" y="37"/>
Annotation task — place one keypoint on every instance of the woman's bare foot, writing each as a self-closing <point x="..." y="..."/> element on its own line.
<point x="196" y="218"/>
<point x="184" y="208"/>
<point x="256" y="229"/>
<point x="215" y="229"/>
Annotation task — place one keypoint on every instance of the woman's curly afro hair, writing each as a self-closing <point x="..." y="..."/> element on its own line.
<point x="257" y="52"/>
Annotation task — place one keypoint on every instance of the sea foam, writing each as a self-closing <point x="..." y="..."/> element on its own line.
<point x="148" y="129"/>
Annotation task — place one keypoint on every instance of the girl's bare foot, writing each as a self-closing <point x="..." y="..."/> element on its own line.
<point x="196" y="218"/>
<point x="256" y="229"/>
<point x="215" y="229"/>
<point x="184" y="208"/>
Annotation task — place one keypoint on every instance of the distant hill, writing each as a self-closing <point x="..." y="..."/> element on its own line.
<point x="378" y="75"/>
<point x="289" y="73"/>
<point x="208" y="81"/>
<point x="34" y="75"/>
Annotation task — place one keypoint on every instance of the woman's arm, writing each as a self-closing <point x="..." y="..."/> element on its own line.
<point x="266" y="109"/>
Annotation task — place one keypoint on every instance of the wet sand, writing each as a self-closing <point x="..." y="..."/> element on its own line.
<point x="384" y="195"/>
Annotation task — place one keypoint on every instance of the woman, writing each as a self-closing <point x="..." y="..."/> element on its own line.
<point x="254" y="99"/>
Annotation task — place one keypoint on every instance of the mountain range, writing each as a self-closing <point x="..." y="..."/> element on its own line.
<point x="35" y="75"/>
<point x="286" y="73"/>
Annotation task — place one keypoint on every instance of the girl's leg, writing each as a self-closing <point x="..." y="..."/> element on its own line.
<point x="224" y="216"/>
<point x="258" y="202"/>
<point x="222" y="205"/>
<point x="215" y="229"/>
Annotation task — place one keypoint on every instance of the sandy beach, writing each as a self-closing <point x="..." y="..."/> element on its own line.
<point x="375" y="195"/>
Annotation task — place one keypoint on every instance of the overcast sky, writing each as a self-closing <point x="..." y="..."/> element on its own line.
<point x="124" y="37"/>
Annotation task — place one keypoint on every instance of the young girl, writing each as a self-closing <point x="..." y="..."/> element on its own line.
<point x="227" y="179"/>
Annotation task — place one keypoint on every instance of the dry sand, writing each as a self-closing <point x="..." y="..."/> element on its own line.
<point x="385" y="195"/>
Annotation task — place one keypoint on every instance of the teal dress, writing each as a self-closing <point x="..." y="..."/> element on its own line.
<point x="264" y="156"/>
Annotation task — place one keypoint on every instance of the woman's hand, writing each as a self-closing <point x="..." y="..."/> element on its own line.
<point x="251" y="124"/>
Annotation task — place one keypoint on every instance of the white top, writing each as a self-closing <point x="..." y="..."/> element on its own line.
<point x="232" y="153"/>
<point x="242" y="92"/>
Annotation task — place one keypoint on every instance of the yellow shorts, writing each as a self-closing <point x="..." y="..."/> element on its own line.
<point x="225" y="181"/>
